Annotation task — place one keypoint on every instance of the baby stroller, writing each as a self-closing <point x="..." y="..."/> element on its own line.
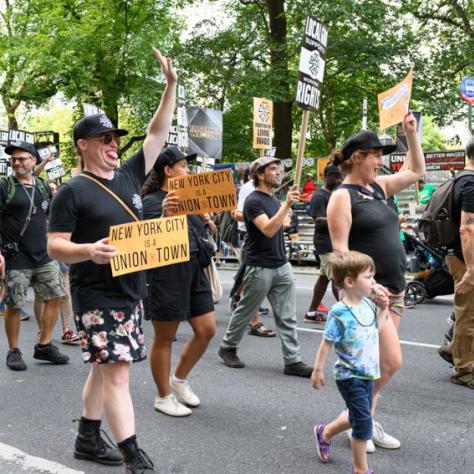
<point x="432" y="278"/>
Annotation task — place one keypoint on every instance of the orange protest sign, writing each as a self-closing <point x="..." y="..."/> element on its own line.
<point x="393" y="103"/>
<point x="322" y="163"/>
<point x="204" y="192"/>
<point x="149" y="244"/>
<point x="262" y="123"/>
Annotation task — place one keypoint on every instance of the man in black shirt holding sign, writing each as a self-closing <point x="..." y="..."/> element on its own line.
<point x="268" y="273"/>
<point x="108" y="310"/>
<point x="24" y="204"/>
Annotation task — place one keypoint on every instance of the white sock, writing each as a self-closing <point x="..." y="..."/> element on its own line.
<point x="176" y="380"/>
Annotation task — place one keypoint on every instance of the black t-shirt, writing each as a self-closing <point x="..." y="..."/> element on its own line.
<point x="375" y="231"/>
<point x="263" y="251"/>
<point x="319" y="204"/>
<point x="87" y="211"/>
<point x="463" y="199"/>
<point x="32" y="246"/>
<point x="152" y="209"/>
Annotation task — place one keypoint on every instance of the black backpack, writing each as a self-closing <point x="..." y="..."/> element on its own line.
<point x="437" y="221"/>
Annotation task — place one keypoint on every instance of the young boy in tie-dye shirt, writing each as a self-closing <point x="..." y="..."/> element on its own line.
<point x="352" y="327"/>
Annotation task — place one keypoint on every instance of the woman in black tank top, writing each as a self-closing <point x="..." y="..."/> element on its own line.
<point x="360" y="219"/>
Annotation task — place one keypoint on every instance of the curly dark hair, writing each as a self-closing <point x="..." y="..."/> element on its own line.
<point x="153" y="182"/>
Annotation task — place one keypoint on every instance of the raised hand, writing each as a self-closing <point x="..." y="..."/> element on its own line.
<point x="166" y="65"/>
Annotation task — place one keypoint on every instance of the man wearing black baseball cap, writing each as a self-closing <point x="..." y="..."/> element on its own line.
<point x="82" y="213"/>
<point x="24" y="205"/>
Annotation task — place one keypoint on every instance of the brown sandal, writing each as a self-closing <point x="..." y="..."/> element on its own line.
<point x="260" y="330"/>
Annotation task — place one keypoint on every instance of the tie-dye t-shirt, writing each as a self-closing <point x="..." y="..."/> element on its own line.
<point x="353" y="331"/>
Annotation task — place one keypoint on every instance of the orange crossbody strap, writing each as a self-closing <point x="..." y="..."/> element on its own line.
<point x="105" y="188"/>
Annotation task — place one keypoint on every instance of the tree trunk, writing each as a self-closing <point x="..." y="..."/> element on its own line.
<point x="10" y="108"/>
<point x="279" y="66"/>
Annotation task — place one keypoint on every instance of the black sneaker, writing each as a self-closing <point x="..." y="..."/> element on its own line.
<point x="50" y="353"/>
<point x="230" y="358"/>
<point x="300" y="369"/>
<point x="15" y="360"/>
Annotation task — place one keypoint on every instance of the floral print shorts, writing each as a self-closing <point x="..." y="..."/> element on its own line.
<point x="111" y="335"/>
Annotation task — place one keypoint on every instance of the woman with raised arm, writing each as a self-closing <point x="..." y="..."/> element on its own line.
<point x="360" y="219"/>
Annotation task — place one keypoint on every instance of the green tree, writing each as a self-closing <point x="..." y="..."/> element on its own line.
<point x="444" y="55"/>
<point x="27" y="69"/>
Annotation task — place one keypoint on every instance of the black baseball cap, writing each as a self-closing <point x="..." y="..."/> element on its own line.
<point x="365" y="141"/>
<point x="332" y="169"/>
<point x="20" y="145"/>
<point x="170" y="155"/>
<point x="94" y="125"/>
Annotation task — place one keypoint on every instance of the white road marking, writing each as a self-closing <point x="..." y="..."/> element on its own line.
<point x="27" y="462"/>
<point x="406" y="343"/>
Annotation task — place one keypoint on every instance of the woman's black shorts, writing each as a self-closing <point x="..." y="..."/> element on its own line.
<point x="178" y="292"/>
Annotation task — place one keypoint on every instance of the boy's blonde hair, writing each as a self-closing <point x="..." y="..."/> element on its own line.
<point x="349" y="264"/>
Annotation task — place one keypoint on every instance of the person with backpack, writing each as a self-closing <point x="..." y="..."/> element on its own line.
<point x="24" y="206"/>
<point x="359" y="218"/>
<point x="460" y="263"/>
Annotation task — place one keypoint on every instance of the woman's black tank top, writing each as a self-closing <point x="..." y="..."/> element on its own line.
<point x="375" y="231"/>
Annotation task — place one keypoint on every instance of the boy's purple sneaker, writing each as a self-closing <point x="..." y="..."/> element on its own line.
<point x="323" y="449"/>
<point x="370" y="471"/>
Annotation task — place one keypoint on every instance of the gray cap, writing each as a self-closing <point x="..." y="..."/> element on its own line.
<point x="260" y="163"/>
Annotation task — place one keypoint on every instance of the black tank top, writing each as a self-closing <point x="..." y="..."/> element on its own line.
<point x="375" y="231"/>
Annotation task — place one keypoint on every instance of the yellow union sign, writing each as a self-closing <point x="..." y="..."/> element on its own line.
<point x="149" y="244"/>
<point x="204" y="192"/>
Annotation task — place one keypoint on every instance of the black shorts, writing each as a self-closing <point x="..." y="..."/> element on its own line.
<point x="178" y="292"/>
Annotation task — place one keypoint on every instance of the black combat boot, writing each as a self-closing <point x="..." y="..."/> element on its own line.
<point x="90" y="444"/>
<point x="136" y="460"/>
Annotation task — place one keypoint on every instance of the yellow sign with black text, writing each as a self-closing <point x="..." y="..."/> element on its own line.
<point x="149" y="244"/>
<point x="262" y="123"/>
<point x="394" y="103"/>
<point x="204" y="192"/>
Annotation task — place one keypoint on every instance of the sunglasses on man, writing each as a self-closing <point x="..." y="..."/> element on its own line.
<point x="106" y="138"/>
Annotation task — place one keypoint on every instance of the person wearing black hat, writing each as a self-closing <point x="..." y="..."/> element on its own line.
<point x="24" y="205"/>
<point x="317" y="313"/>
<point x="268" y="273"/>
<point x="177" y="293"/>
<point x="108" y="311"/>
<point x="360" y="219"/>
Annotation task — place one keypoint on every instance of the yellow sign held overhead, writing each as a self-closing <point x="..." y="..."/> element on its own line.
<point x="262" y="123"/>
<point x="393" y="103"/>
<point x="149" y="244"/>
<point x="204" y="192"/>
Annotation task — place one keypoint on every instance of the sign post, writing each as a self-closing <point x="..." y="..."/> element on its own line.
<point x="311" y="74"/>
<point x="467" y="93"/>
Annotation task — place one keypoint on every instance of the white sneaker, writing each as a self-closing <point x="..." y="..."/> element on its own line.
<point x="185" y="393"/>
<point x="383" y="439"/>
<point x="170" y="406"/>
<point x="370" y="443"/>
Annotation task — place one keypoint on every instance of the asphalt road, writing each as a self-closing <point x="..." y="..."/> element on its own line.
<point x="253" y="420"/>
